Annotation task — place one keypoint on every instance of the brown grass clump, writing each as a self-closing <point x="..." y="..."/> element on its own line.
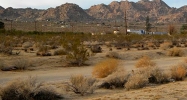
<point x="178" y="72"/>
<point x="136" y="81"/>
<point x="145" y="62"/>
<point x="81" y="85"/>
<point x="105" y="68"/>
<point x="166" y="45"/>
<point x="175" y="52"/>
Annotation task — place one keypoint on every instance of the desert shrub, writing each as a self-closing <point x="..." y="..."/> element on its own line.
<point x="21" y="64"/>
<point x="26" y="89"/>
<point x="96" y="49"/>
<point x="178" y="72"/>
<point x="158" y="76"/>
<point x="81" y="85"/>
<point x="175" y="52"/>
<point x="2" y="25"/>
<point x="145" y="61"/>
<point x="2" y="65"/>
<point x="6" y="49"/>
<point x="136" y="81"/>
<point x="26" y="45"/>
<point x="183" y="29"/>
<point x="18" y="89"/>
<point x="45" y="93"/>
<point x="43" y="51"/>
<point x="113" y="55"/>
<point x="115" y="80"/>
<point x="60" y="52"/>
<point x="105" y="68"/>
<point x="165" y="45"/>
<point x="77" y="54"/>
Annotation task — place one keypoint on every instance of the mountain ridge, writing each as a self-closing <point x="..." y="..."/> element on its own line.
<point x="157" y="10"/>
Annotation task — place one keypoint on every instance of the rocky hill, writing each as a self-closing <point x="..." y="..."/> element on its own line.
<point x="66" y="11"/>
<point x="157" y="10"/>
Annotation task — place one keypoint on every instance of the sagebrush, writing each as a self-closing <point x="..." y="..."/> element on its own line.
<point x="82" y="85"/>
<point x="136" y="81"/>
<point x="27" y="89"/>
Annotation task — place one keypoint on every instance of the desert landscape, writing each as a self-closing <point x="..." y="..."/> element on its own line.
<point x="120" y="51"/>
<point x="106" y="62"/>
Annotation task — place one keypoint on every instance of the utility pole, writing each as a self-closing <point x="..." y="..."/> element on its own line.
<point x="125" y="14"/>
<point x="35" y="25"/>
<point x="11" y="24"/>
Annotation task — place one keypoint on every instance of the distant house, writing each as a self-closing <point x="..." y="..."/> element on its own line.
<point x="136" y="31"/>
<point x="159" y="33"/>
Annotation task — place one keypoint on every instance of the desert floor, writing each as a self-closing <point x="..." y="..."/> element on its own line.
<point x="51" y="69"/>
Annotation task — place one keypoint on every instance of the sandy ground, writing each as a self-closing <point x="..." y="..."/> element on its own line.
<point x="50" y="69"/>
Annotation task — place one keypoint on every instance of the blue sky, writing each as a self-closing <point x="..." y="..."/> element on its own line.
<point x="44" y="4"/>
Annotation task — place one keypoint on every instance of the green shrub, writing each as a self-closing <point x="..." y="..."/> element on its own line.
<point x="77" y="54"/>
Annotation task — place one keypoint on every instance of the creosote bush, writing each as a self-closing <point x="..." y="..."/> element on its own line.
<point x="176" y="52"/>
<point x="178" y="72"/>
<point x="105" y="68"/>
<point x="82" y="85"/>
<point x="77" y="54"/>
<point x="145" y="61"/>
